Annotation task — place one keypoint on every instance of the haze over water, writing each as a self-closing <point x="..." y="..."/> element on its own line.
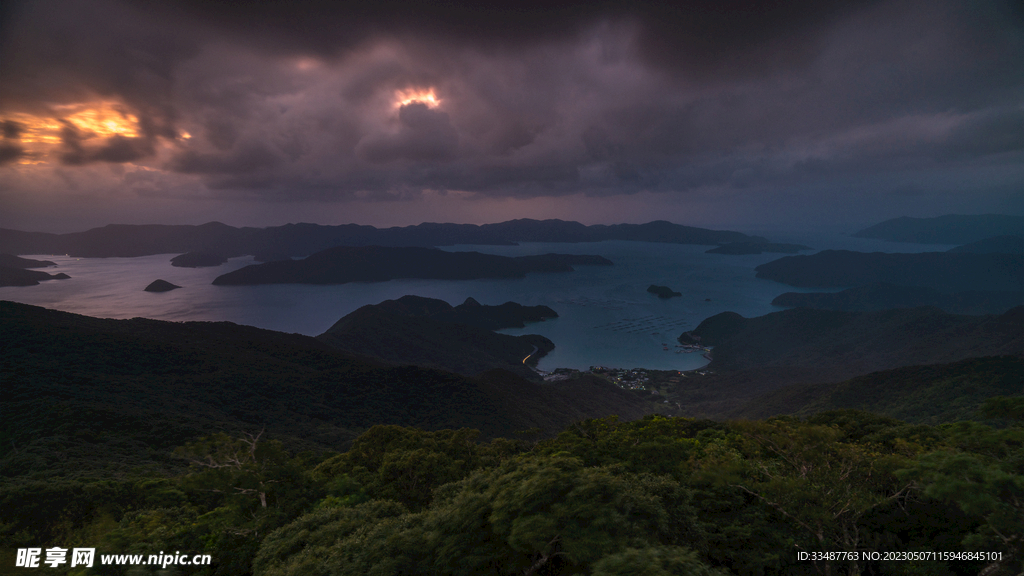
<point x="606" y="316"/>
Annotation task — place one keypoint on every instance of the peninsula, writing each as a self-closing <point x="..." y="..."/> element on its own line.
<point x="884" y="296"/>
<point x="944" y="271"/>
<point x="431" y="332"/>
<point x="15" y="271"/>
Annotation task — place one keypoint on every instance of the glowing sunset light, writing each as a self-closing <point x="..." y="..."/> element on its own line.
<point x="405" y="97"/>
<point x="35" y="129"/>
<point x="101" y="119"/>
<point x="105" y="119"/>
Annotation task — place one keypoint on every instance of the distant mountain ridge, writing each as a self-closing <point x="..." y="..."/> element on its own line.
<point x="949" y="229"/>
<point x="119" y="240"/>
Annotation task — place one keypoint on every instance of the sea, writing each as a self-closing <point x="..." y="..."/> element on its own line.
<point x="606" y="317"/>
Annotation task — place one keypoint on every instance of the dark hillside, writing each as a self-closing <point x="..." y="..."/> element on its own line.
<point x="88" y="396"/>
<point x="756" y="356"/>
<point x="919" y="394"/>
<point x="993" y="245"/>
<point x="840" y="345"/>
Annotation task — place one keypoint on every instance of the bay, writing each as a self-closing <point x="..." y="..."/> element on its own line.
<point x="606" y="316"/>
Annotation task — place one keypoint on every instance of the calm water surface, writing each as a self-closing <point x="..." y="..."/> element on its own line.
<point x="606" y="317"/>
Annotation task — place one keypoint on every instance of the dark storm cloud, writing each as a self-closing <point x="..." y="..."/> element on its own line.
<point x="288" y="100"/>
<point x="54" y="52"/>
<point x="10" y="153"/>
<point x="425" y="135"/>
<point x="696" y="35"/>
<point x="12" y="129"/>
<point x="245" y="159"/>
<point x="76" y="149"/>
<point x="61" y="47"/>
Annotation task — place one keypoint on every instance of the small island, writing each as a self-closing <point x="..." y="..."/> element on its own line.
<point x="160" y="286"/>
<point x="197" y="260"/>
<point x="663" y="291"/>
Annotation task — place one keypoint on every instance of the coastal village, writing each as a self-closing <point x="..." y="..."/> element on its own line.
<point x="660" y="385"/>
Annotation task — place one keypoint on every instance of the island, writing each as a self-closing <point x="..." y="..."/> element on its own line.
<point x="345" y="264"/>
<point x="160" y="286"/>
<point x="198" y="260"/>
<point x="741" y="248"/>
<point x="663" y="291"/>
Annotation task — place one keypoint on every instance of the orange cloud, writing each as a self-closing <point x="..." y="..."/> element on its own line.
<point x="424" y="96"/>
<point x="39" y="135"/>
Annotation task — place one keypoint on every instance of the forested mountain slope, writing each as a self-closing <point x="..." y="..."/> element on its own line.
<point x="430" y="332"/>
<point x="86" y="395"/>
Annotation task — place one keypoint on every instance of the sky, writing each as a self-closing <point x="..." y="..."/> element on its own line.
<point x="717" y="113"/>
